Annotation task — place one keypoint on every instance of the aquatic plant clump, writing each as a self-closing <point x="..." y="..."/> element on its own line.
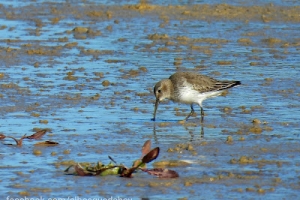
<point x="99" y="169"/>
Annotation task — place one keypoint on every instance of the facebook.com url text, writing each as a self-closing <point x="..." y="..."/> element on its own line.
<point x="67" y="198"/>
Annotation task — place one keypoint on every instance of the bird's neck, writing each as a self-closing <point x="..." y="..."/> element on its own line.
<point x="170" y="89"/>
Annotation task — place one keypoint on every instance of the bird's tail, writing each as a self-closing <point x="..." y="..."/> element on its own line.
<point x="223" y="85"/>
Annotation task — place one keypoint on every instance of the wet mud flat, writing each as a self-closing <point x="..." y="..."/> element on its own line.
<point x="85" y="72"/>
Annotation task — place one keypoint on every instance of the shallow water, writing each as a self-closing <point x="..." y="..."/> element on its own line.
<point x="49" y="72"/>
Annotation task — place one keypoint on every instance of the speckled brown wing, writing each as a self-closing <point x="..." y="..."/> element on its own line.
<point x="200" y="82"/>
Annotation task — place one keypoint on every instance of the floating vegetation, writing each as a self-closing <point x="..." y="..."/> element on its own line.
<point x="99" y="169"/>
<point x="36" y="136"/>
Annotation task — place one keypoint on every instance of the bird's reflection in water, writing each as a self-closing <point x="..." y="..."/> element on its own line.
<point x="192" y="130"/>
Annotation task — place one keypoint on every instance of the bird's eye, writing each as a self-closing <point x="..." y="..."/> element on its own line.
<point x="158" y="91"/>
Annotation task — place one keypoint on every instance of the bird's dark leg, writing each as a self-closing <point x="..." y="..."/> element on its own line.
<point x="202" y="114"/>
<point x="191" y="113"/>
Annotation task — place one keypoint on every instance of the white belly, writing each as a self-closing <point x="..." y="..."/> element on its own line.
<point x="189" y="96"/>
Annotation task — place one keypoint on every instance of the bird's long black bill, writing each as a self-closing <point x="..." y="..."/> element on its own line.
<point x="155" y="109"/>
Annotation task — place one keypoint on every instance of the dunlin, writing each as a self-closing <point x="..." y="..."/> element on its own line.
<point x="189" y="88"/>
